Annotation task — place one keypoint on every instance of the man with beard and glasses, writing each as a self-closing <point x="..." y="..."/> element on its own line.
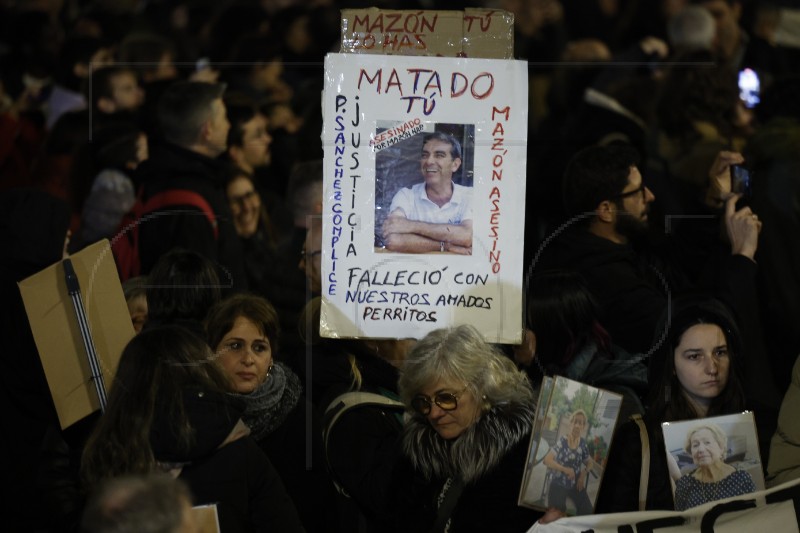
<point x="631" y="271"/>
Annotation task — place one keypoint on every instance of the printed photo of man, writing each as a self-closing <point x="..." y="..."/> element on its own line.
<point x="434" y="215"/>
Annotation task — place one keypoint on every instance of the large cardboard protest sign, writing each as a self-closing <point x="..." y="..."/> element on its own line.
<point x="775" y="510"/>
<point x="57" y="333"/>
<point x="398" y="261"/>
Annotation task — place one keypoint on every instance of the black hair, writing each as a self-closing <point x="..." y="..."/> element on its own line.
<point x="596" y="174"/>
<point x="667" y="403"/>
<point x="562" y="313"/>
<point x="455" y="146"/>
<point x="241" y="110"/>
<point x="167" y="389"/>
<point x="183" y="285"/>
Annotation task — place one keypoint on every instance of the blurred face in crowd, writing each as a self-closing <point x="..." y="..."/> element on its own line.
<point x="255" y="142"/>
<point x="311" y="260"/>
<point x="125" y="91"/>
<point x="137" y="307"/>
<point x="726" y="16"/>
<point x="245" y="205"/>
<point x="142" y="150"/>
<point x="165" y="70"/>
<point x="246" y="355"/>
<point x="702" y="364"/>
<point x="217" y="129"/>
<point x="102" y="58"/>
<point x="268" y="75"/>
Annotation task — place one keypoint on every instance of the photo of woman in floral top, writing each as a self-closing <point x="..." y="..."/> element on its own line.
<point x="570" y="461"/>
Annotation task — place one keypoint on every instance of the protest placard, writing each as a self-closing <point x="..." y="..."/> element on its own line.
<point x="712" y="458"/>
<point x="57" y="332"/>
<point x="775" y="510"/>
<point x="405" y="252"/>
<point x="570" y="442"/>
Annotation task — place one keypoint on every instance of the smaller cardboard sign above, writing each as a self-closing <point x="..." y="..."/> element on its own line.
<point x="57" y="334"/>
<point x="488" y="33"/>
<point x="482" y="33"/>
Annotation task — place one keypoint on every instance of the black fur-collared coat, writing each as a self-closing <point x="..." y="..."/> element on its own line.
<point x="489" y="457"/>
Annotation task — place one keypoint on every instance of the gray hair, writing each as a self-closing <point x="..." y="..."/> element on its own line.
<point x="137" y="504"/>
<point x="460" y="354"/>
<point x="690" y="29"/>
<point x="716" y="431"/>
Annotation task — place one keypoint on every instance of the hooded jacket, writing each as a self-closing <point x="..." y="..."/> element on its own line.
<point x="489" y="458"/>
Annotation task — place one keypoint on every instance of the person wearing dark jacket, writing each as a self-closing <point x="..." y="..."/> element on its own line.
<point x="194" y="130"/>
<point x="465" y="444"/>
<point x="33" y="234"/>
<point x="168" y="411"/>
<point x="696" y="373"/>
<point x="565" y="338"/>
<point x="609" y="200"/>
<point x="269" y="263"/>
<point x="243" y="331"/>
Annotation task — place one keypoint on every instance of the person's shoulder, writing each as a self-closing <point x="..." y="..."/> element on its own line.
<point x="684" y="481"/>
<point x="417" y="188"/>
<point x="741" y="476"/>
<point x="407" y="192"/>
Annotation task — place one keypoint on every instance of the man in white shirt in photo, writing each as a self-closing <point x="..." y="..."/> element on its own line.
<point x="435" y="215"/>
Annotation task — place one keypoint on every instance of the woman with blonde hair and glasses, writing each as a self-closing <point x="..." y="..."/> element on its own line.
<point x="465" y="442"/>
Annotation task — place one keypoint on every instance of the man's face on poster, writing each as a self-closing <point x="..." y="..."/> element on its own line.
<point x="437" y="163"/>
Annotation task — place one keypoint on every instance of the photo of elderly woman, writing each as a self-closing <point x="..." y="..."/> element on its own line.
<point x="569" y="447"/>
<point x="712" y="459"/>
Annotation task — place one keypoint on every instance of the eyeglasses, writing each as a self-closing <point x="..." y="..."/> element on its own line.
<point x="242" y="198"/>
<point x="447" y="401"/>
<point x="641" y="190"/>
<point x="307" y="256"/>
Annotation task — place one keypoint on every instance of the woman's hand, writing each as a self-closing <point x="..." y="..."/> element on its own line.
<point x="551" y="515"/>
<point x="581" y="485"/>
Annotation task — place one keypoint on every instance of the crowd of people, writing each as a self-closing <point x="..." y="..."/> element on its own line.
<point x="650" y="271"/>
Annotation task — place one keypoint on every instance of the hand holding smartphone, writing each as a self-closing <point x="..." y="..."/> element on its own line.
<point x="741" y="181"/>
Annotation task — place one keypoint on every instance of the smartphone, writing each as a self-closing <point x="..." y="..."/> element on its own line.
<point x="202" y="64"/>
<point x="741" y="181"/>
<point x="749" y="88"/>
